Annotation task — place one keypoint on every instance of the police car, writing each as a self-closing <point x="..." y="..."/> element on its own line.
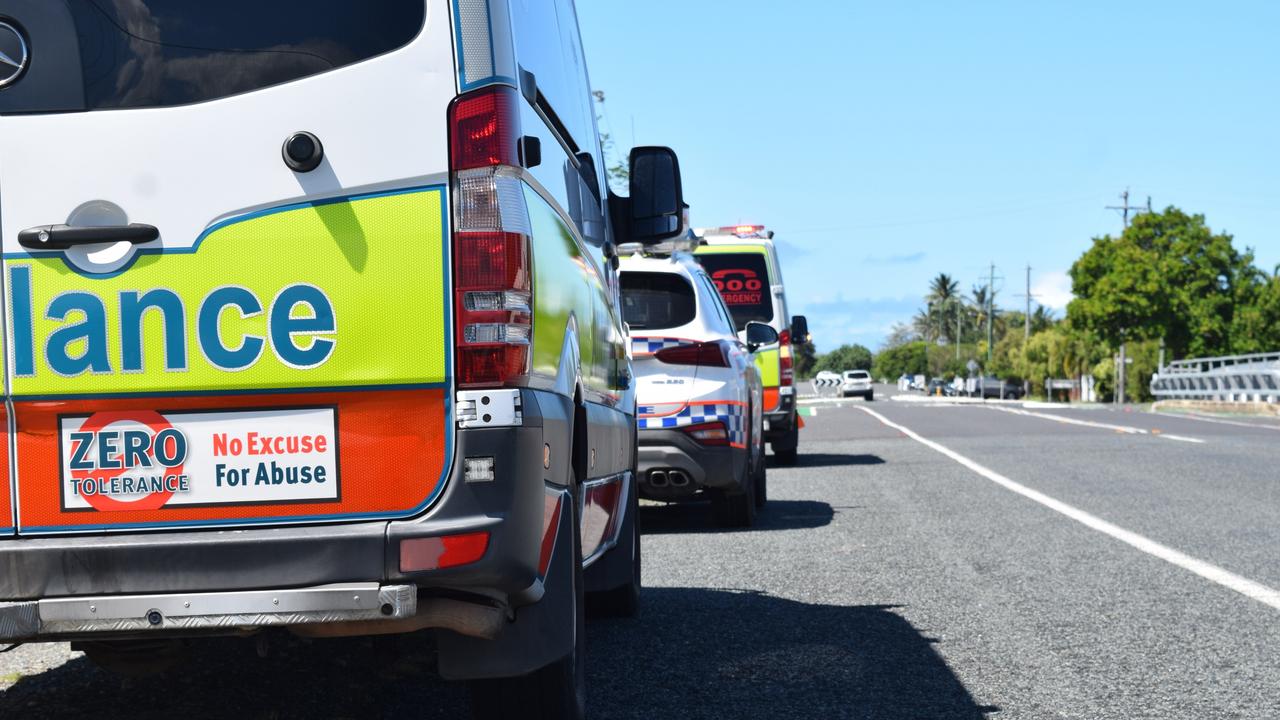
<point x="698" y="390"/>
<point x="311" y="323"/>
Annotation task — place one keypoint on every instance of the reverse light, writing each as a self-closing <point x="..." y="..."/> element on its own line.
<point x="712" y="433"/>
<point x="786" y="360"/>
<point x="493" y="283"/>
<point x="706" y="354"/>
<point x="438" y="553"/>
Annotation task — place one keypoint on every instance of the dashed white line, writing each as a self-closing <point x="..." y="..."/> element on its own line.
<point x="1126" y="429"/>
<point x="1250" y="589"/>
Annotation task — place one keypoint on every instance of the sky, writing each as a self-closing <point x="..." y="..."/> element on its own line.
<point x="886" y="142"/>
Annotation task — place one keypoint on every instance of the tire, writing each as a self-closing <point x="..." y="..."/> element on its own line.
<point x="871" y="396"/>
<point x="736" y="509"/>
<point x="788" y="454"/>
<point x="761" y="484"/>
<point x="554" y="692"/>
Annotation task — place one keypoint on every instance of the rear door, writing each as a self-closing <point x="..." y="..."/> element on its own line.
<point x="278" y="352"/>
<point x="660" y="308"/>
<point x="742" y="275"/>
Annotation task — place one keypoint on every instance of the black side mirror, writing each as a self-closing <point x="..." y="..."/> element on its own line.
<point x="759" y="335"/>
<point x="799" y="329"/>
<point x="657" y="198"/>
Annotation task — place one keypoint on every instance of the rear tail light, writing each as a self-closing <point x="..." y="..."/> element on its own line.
<point x="493" y="283"/>
<point x="707" y="354"/>
<point x="786" y="362"/>
<point x="438" y="553"/>
<point x="712" y="433"/>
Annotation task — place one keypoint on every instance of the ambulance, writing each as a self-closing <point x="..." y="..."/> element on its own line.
<point x="742" y="260"/>
<point x="311" y="324"/>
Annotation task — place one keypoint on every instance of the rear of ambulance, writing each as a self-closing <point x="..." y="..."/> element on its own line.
<point x="231" y="328"/>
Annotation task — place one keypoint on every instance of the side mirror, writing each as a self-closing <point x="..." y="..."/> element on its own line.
<point x="657" y="197"/>
<point x="759" y="335"/>
<point x="799" y="329"/>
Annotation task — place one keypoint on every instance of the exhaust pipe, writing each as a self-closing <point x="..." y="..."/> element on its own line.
<point x="658" y="478"/>
<point x="678" y="478"/>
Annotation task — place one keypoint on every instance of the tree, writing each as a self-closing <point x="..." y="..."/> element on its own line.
<point x="1168" y="276"/>
<point x="900" y="334"/>
<point x="806" y="359"/>
<point x="845" y="357"/>
<point x="909" y="359"/>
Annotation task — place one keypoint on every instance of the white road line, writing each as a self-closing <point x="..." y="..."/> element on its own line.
<point x="1074" y="421"/>
<point x="1220" y="421"/>
<point x="1128" y="430"/>
<point x="1250" y="589"/>
<point x="1180" y="438"/>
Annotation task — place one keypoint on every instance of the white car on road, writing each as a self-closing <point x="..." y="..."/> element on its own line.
<point x="698" y="391"/>
<point x="857" y="382"/>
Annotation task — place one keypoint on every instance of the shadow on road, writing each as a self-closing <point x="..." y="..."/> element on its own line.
<point x="693" y="653"/>
<point x="695" y="517"/>
<point x="702" y="653"/>
<point x="818" y="460"/>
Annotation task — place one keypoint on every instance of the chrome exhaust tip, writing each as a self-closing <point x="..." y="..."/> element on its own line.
<point x="678" y="478"/>
<point x="658" y="478"/>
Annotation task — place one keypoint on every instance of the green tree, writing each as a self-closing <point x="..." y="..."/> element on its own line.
<point x="1167" y="276"/>
<point x="845" y="357"/>
<point x="909" y="359"/>
<point x="806" y="358"/>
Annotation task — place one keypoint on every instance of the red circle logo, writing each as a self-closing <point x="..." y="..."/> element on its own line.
<point x="97" y="422"/>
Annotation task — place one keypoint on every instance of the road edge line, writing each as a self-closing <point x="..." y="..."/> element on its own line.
<point x="1250" y="589"/>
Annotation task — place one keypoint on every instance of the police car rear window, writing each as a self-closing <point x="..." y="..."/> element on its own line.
<point x="159" y="53"/>
<point x="743" y="282"/>
<point x="657" y="301"/>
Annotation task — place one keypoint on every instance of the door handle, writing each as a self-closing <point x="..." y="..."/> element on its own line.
<point x="63" y="237"/>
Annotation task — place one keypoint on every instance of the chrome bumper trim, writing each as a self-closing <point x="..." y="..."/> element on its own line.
<point x="344" y="602"/>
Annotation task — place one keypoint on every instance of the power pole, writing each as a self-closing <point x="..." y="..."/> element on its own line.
<point x="1026" y="330"/>
<point x="1125" y="208"/>
<point x="991" y="300"/>
<point x="959" y="328"/>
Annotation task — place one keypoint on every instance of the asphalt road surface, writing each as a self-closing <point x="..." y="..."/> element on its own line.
<point x="925" y="561"/>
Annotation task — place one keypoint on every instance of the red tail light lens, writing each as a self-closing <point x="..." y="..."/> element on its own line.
<point x="707" y="354"/>
<point x="486" y="129"/>
<point x="712" y="433"/>
<point x="786" y="361"/>
<point x="492" y="278"/>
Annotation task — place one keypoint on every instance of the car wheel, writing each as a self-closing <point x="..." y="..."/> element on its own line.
<point x="736" y="508"/>
<point x="555" y="691"/>
<point x="871" y="396"/>
<point x="761" y="484"/>
<point x="788" y="454"/>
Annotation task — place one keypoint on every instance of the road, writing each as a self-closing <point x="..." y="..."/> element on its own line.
<point x="924" y="561"/>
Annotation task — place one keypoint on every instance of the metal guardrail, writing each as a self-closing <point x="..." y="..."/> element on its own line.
<point x="1232" y="378"/>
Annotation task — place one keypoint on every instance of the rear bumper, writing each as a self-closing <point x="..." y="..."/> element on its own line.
<point x="160" y="569"/>
<point x="664" y="451"/>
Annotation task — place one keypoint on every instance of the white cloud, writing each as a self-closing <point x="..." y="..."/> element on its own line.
<point x="1053" y="290"/>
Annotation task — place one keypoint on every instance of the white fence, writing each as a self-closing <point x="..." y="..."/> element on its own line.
<point x="1234" y="378"/>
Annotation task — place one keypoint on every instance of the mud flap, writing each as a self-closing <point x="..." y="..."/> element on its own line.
<point x="540" y="634"/>
<point x="614" y="568"/>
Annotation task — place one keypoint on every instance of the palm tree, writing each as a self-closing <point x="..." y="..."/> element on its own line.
<point x="943" y="290"/>
<point x="944" y="293"/>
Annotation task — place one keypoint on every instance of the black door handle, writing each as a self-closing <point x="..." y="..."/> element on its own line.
<point x="62" y="237"/>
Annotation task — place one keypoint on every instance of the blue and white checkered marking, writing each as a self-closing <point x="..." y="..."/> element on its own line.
<point x="651" y="345"/>
<point x="733" y="416"/>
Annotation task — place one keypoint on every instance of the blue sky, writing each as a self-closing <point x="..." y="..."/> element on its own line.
<point x="886" y="142"/>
